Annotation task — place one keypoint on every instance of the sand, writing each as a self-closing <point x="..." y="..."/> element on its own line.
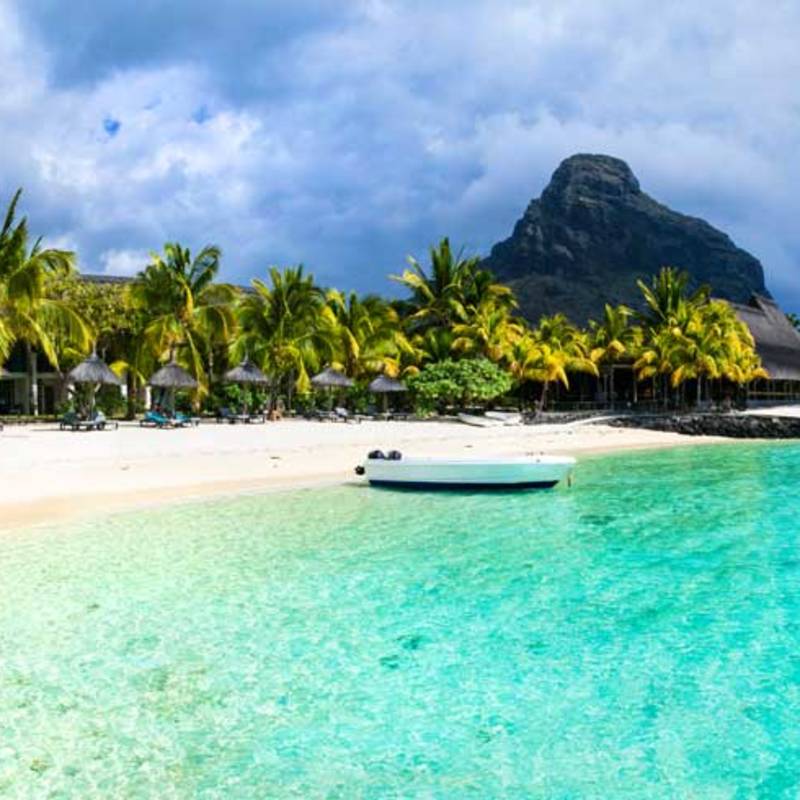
<point x="48" y="475"/>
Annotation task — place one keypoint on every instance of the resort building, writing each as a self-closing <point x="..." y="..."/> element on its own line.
<point x="778" y="345"/>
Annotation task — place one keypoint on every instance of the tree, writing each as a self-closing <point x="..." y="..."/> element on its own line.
<point x="364" y="333"/>
<point x="458" y="383"/>
<point x="187" y="313"/>
<point x="490" y="332"/>
<point x="794" y="319"/>
<point x="561" y="348"/>
<point x="688" y="336"/>
<point x="440" y="295"/>
<point x="279" y="327"/>
<point x="614" y="340"/>
<point x="668" y="300"/>
<point x="27" y="313"/>
<point x="713" y="344"/>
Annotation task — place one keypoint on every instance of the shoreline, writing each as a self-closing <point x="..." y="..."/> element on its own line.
<point x="54" y="477"/>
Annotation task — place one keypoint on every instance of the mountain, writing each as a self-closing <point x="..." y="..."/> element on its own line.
<point x="593" y="232"/>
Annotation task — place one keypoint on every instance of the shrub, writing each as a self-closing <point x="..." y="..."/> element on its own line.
<point x="458" y="383"/>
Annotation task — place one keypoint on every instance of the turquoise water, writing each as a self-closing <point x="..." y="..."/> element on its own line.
<point x="637" y="635"/>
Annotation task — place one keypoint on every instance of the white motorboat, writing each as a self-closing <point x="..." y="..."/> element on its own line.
<point x="506" y="417"/>
<point x="523" y="472"/>
<point x="480" y="422"/>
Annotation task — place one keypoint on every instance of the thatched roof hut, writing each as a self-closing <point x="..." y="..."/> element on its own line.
<point x="93" y="370"/>
<point x="385" y="385"/>
<point x="246" y="372"/>
<point x="330" y="378"/>
<point x="777" y="340"/>
<point x="172" y="376"/>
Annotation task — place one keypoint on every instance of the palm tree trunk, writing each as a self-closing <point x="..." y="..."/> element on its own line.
<point x="611" y="386"/>
<point x="132" y="392"/>
<point x="290" y="391"/>
<point x="543" y="397"/>
<point x="32" y="399"/>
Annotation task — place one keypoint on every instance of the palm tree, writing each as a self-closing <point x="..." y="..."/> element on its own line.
<point x="187" y="313"/>
<point x="714" y="344"/>
<point x="614" y="340"/>
<point x="431" y="346"/>
<point x="364" y="333"/>
<point x="670" y="308"/>
<point x="27" y="313"/>
<point x="667" y="298"/>
<point x="441" y="294"/>
<point x="489" y="332"/>
<point x="531" y="361"/>
<point x="279" y="328"/>
<point x="563" y="348"/>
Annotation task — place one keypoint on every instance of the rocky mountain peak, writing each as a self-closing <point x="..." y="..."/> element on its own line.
<point x="593" y="232"/>
<point x="590" y="178"/>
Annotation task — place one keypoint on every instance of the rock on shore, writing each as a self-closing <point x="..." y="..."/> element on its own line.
<point x="735" y="426"/>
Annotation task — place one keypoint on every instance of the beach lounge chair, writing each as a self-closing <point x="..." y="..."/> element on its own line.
<point x="322" y="416"/>
<point x="153" y="419"/>
<point x="182" y="421"/>
<point x="100" y="422"/>
<point x="257" y="418"/>
<point x="226" y="415"/>
<point x="343" y="415"/>
<point x="69" y="421"/>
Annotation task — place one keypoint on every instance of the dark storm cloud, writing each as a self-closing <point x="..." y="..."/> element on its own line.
<point x="347" y="135"/>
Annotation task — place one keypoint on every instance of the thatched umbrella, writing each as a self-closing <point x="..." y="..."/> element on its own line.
<point x="172" y="377"/>
<point x="330" y="378"/>
<point x="246" y="373"/>
<point x="95" y="372"/>
<point x="385" y="385"/>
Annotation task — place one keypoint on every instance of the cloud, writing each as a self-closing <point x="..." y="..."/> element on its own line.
<point x="349" y="138"/>
<point x="124" y="262"/>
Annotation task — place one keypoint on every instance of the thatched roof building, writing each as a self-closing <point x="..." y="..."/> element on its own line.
<point x="777" y="340"/>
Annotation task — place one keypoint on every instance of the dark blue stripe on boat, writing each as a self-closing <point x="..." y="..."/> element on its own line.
<point x="463" y="487"/>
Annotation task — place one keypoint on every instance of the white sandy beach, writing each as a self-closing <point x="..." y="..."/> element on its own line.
<point x="47" y="474"/>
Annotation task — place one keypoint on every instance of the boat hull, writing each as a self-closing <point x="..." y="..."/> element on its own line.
<point x="541" y="472"/>
<point x="461" y="487"/>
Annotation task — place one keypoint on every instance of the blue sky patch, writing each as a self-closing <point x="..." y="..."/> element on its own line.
<point x="111" y="126"/>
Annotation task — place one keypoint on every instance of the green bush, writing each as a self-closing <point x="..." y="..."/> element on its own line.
<point x="110" y="401"/>
<point x="464" y="383"/>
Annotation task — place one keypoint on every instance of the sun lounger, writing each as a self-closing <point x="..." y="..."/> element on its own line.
<point x="343" y="415"/>
<point x="322" y="416"/>
<point x="152" y="419"/>
<point x="182" y="421"/>
<point x="226" y="415"/>
<point x="69" y="421"/>
<point x="253" y="419"/>
<point x="97" y="422"/>
<point x="101" y="423"/>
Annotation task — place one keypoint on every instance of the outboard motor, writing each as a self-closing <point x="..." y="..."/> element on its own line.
<point x="377" y="455"/>
<point x="394" y="455"/>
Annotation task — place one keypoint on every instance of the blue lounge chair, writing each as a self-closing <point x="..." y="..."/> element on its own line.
<point x="182" y="421"/>
<point x="69" y="420"/>
<point x="153" y="419"/>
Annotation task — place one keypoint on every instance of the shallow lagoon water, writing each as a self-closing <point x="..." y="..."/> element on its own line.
<point x="637" y="635"/>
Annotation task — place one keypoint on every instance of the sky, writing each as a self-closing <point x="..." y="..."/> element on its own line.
<point x="347" y="135"/>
